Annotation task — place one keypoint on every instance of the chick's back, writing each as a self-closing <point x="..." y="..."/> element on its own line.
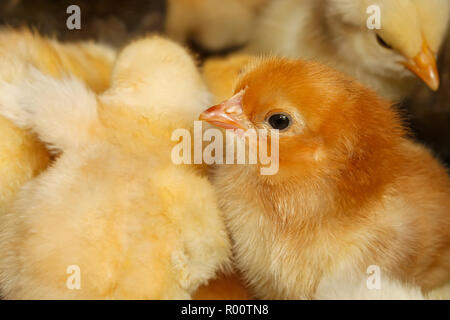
<point x="136" y="225"/>
<point x="22" y="155"/>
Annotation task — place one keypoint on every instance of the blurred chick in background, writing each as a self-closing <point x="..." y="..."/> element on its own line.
<point x="348" y="195"/>
<point x="220" y="74"/>
<point x="212" y="24"/>
<point x="22" y="156"/>
<point x="113" y="204"/>
<point x="335" y="32"/>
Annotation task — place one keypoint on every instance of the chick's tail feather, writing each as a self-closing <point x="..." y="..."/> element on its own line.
<point x="63" y="113"/>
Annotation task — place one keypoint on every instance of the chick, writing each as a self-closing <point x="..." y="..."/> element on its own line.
<point x="335" y="32"/>
<point x="113" y="206"/>
<point x="22" y="156"/>
<point x="348" y="194"/>
<point x="212" y="24"/>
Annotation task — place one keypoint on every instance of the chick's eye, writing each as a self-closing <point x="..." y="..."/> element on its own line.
<point x="383" y="43"/>
<point x="280" y="121"/>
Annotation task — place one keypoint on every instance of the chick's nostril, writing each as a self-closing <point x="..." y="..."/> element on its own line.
<point x="219" y="116"/>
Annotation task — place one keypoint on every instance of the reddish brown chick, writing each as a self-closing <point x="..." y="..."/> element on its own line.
<point x="352" y="191"/>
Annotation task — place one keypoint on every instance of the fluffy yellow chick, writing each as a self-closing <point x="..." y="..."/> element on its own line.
<point x="349" y="198"/>
<point x="335" y="32"/>
<point x="213" y="24"/>
<point x="113" y="206"/>
<point x="22" y="156"/>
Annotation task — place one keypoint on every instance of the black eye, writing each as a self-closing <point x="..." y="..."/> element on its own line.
<point x="383" y="43"/>
<point x="280" y="121"/>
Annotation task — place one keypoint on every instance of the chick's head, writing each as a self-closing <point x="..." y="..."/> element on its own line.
<point x="324" y="120"/>
<point x="407" y="41"/>
<point x="158" y="78"/>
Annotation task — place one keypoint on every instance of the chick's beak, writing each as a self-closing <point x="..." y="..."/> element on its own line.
<point x="424" y="66"/>
<point x="227" y="115"/>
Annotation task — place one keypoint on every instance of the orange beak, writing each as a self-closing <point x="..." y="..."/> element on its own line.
<point x="228" y="114"/>
<point x="424" y="66"/>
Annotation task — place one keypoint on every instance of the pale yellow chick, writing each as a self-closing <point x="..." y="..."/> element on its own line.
<point x="22" y="156"/>
<point x="213" y="24"/>
<point x="336" y="32"/>
<point x="113" y="206"/>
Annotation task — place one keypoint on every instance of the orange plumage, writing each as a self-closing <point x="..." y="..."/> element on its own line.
<point x="352" y="190"/>
<point x="223" y="287"/>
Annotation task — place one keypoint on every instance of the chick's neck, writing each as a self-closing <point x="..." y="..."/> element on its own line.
<point x="337" y="187"/>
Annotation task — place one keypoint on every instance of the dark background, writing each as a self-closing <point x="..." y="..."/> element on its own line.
<point x="117" y="21"/>
<point x="110" y="21"/>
